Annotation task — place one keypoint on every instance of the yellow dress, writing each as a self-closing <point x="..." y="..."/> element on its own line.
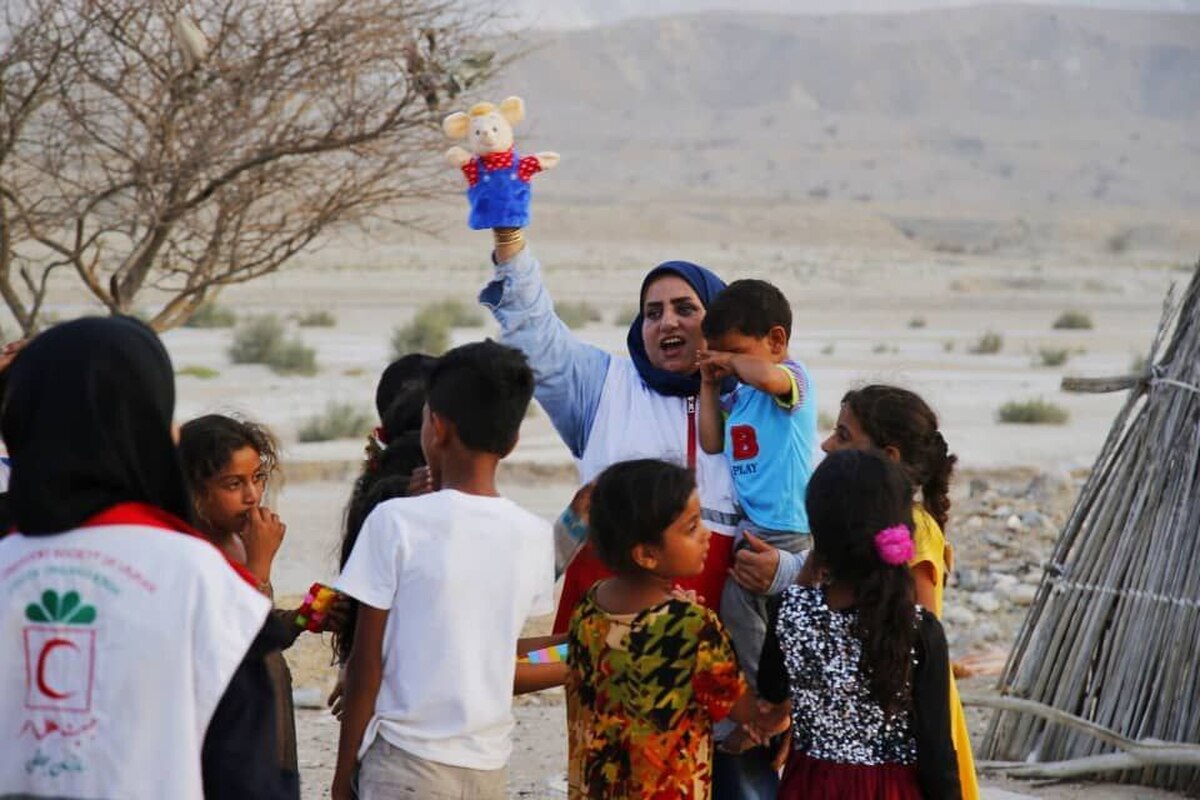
<point x="931" y="547"/>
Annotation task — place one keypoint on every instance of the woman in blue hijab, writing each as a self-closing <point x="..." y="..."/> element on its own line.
<point x="610" y="408"/>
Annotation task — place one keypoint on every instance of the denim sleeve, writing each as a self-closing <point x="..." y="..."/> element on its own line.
<point x="786" y="571"/>
<point x="570" y="374"/>
<point x="569" y="533"/>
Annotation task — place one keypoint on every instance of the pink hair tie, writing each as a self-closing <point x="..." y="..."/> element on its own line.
<point x="894" y="545"/>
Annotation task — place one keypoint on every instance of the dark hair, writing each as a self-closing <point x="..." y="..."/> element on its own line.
<point x="895" y="417"/>
<point x="632" y="504"/>
<point x="401" y="377"/>
<point x="852" y="496"/>
<point x="749" y="307"/>
<point x="385" y="474"/>
<point x="483" y="389"/>
<point x="207" y="443"/>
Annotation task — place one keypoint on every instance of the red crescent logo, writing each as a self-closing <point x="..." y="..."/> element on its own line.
<point x="43" y="687"/>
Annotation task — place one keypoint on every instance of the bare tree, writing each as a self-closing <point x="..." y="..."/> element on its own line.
<point x="153" y="149"/>
<point x="32" y="49"/>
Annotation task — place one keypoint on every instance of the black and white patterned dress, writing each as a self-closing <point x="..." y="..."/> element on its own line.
<point x="843" y="742"/>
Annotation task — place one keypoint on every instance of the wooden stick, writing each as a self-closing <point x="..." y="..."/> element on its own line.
<point x="1075" y="767"/>
<point x="1144" y="749"/>
<point x="1101" y="385"/>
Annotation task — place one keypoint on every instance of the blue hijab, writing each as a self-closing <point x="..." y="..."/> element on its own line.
<point x="707" y="286"/>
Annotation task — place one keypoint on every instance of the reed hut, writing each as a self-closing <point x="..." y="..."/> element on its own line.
<point x="1104" y="677"/>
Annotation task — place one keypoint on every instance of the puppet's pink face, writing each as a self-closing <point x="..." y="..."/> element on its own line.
<point x="490" y="133"/>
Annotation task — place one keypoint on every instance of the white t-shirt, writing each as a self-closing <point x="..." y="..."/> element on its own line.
<point x="459" y="575"/>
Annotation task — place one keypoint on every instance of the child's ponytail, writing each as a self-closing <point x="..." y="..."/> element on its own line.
<point x="895" y="417"/>
<point x="886" y="620"/>
<point x="860" y="508"/>
<point x="938" y="465"/>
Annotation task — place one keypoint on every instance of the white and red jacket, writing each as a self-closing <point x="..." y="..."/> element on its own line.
<point x="117" y="640"/>
<point x="605" y="412"/>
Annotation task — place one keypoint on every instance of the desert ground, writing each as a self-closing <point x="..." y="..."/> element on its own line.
<point x="882" y="308"/>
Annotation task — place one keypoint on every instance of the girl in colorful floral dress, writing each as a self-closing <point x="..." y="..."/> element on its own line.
<point x="650" y="671"/>
<point x="861" y="667"/>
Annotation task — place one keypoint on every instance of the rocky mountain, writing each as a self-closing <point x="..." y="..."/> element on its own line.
<point x="1008" y="111"/>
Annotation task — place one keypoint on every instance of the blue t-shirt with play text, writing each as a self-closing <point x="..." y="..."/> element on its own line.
<point x="771" y="444"/>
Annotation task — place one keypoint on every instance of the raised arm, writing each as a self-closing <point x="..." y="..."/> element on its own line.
<point x="712" y="423"/>
<point x="764" y="375"/>
<point x="570" y="374"/>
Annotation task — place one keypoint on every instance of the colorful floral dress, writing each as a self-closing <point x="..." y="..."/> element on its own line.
<point x="643" y="692"/>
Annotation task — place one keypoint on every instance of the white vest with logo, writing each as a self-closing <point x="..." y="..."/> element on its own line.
<point x="633" y="421"/>
<point x="116" y="644"/>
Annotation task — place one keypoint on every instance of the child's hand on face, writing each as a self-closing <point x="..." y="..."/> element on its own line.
<point x="714" y="365"/>
<point x="262" y="537"/>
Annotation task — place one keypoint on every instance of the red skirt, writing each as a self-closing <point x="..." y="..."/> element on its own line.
<point x="807" y="778"/>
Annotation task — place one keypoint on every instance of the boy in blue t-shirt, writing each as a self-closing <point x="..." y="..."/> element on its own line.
<point x="768" y="429"/>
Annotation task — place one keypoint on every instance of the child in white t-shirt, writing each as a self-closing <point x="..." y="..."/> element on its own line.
<point x="445" y="582"/>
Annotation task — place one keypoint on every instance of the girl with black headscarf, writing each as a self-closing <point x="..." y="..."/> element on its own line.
<point x="130" y="649"/>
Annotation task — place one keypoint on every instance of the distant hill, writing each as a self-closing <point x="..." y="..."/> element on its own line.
<point x="1014" y="110"/>
<point x="591" y="13"/>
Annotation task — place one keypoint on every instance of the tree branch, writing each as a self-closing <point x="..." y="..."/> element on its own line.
<point x="1136" y="753"/>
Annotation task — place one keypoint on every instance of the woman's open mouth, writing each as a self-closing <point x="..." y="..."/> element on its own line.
<point x="672" y="346"/>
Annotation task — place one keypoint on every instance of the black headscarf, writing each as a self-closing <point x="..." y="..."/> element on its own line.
<point x="87" y="423"/>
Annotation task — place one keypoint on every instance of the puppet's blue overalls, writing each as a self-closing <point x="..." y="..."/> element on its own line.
<point x="499" y="199"/>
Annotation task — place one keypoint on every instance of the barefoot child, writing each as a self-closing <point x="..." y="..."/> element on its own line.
<point x="864" y="668"/>
<point x="444" y="583"/>
<point x="901" y="425"/>
<point x="649" y="671"/>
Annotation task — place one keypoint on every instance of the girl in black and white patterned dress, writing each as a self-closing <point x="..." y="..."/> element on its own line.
<point x="865" y="669"/>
